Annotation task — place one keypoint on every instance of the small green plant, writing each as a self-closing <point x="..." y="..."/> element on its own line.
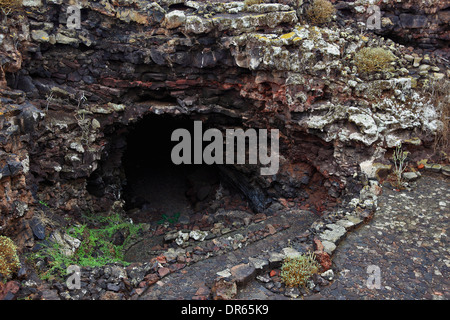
<point x="9" y="260"/>
<point x="49" y="98"/>
<point x="295" y="271"/>
<point x="98" y="246"/>
<point x="399" y="158"/>
<point x="83" y="122"/>
<point x="320" y="11"/>
<point x="45" y="204"/>
<point x="170" y="219"/>
<point x="373" y="59"/>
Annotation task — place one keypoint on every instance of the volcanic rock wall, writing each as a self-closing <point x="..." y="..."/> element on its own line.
<point x="69" y="95"/>
<point x="422" y="24"/>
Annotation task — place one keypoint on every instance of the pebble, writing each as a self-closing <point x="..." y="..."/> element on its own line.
<point x="242" y="273"/>
<point x="224" y="273"/>
<point x="329" y="275"/>
<point x="334" y="234"/>
<point x="410" y="176"/>
<point x="416" y="62"/>
<point x="424" y="67"/>
<point x="328" y="247"/>
<point x="275" y="257"/>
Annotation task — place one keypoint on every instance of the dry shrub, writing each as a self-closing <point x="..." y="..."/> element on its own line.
<point x="9" y="261"/>
<point x="373" y="59"/>
<point x="296" y="271"/>
<point x="248" y="3"/>
<point x="438" y="90"/>
<point x="320" y="11"/>
<point x="9" y="6"/>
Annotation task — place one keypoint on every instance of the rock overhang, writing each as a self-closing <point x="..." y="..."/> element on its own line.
<point x="260" y="65"/>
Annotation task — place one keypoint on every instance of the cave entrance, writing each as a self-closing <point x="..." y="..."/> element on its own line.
<point x="157" y="190"/>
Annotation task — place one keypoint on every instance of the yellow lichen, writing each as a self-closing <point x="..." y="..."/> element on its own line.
<point x="288" y="35"/>
<point x="364" y="38"/>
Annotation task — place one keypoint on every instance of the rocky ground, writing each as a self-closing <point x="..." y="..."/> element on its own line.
<point x="407" y="241"/>
<point x="71" y="101"/>
<point x="404" y="244"/>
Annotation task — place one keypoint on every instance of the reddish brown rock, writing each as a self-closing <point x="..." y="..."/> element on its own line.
<point x="324" y="260"/>
<point x="163" y="272"/>
<point x="224" y="289"/>
<point x="151" y="278"/>
<point x="9" y="290"/>
<point x="243" y="273"/>
<point x="110" y="295"/>
<point x="202" y="293"/>
<point x="318" y="246"/>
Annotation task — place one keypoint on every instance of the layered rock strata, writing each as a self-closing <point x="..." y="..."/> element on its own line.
<point x="69" y="96"/>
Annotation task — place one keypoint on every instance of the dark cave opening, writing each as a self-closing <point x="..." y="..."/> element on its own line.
<point x="155" y="187"/>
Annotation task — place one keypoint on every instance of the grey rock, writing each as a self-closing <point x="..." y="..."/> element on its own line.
<point x="349" y="222"/>
<point x="118" y="272"/>
<point x="113" y="287"/>
<point x="410" y="176"/>
<point x="136" y="275"/>
<point x="174" y="19"/>
<point x="67" y="244"/>
<point x="259" y="263"/>
<point x="328" y="247"/>
<point x="433" y="167"/>
<point x="275" y="257"/>
<point x="38" y="228"/>
<point x="290" y="252"/>
<point x="334" y="234"/>
<point x="329" y="275"/>
<point x="171" y="236"/>
<point x="40" y="36"/>
<point x="263" y="278"/>
<point x="292" y="292"/>
<point x="224" y="273"/>
<point x="198" y="235"/>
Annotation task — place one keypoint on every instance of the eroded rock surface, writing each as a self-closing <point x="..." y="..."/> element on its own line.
<point x="69" y="96"/>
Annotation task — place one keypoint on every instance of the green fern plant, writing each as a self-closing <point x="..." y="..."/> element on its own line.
<point x="170" y="219"/>
<point x="97" y="247"/>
